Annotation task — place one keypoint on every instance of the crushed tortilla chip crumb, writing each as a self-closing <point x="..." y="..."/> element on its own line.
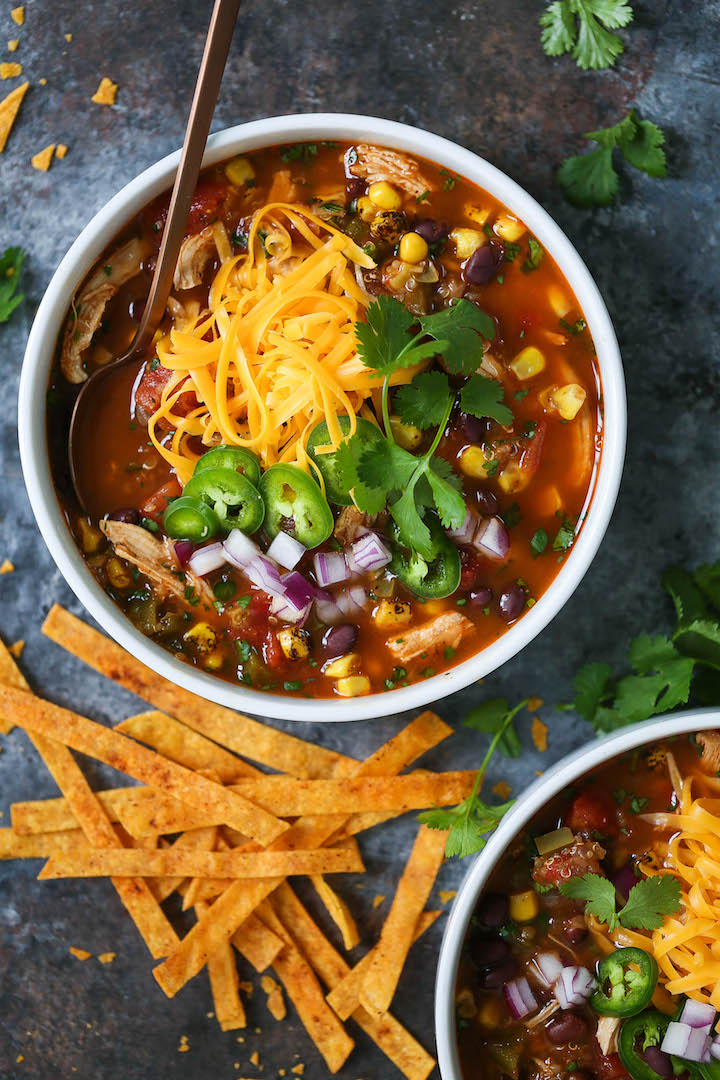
<point x="298" y="1069"/>
<point x="7" y="567"/>
<point x="43" y="82"/>
<point x="255" y="1058"/>
<point x="539" y="733"/>
<point x="80" y="954"/>
<point x="184" y="1045"/>
<point x="61" y="150"/>
<point x="247" y="988"/>
<point x="275" y="999"/>
<point x="18" y="15"/>
<point x="105" y="93"/>
<point x="12" y="45"/>
<point x="378" y="900"/>
<point x="9" y="108"/>
<point x="68" y="37"/>
<point x="539" y="772"/>
<point x="107" y="957"/>
<point x="43" y="159"/>
<point x="16" y="649"/>
<point x="446" y="895"/>
<point x="19" y="1058"/>
<point x="10" y="70"/>
<point x="502" y="790"/>
<point x="535" y="703"/>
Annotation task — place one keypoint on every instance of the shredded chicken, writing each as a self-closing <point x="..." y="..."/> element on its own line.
<point x="283" y="189"/>
<point x="349" y="524"/>
<point x="195" y="254"/>
<point x="375" y="163"/>
<point x="89" y="306"/>
<point x="441" y="632"/>
<point x="155" y="559"/>
<point x="710" y="743"/>
<point x="607" y="1033"/>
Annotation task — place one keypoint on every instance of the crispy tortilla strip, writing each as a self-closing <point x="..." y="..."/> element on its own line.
<point x="200" y="839"/>
<point x="257" y="943"/>
<point x="304" y="990"/>
<point x="338" y="910"/>
<point x="42" y="845"/>
<point x="390" y="1036"/>
<point x="105" y="744"/>
<point x="239" y="733"/>
<point x="55" y="815"/>
<point x="224" y="984"/>
<point x="361" y="822"/>
<point x="174" y="862"/>
<point x="10" y="675"/>
<point x="381" y="978"/>
<point x="212" y="931"/>
<point x="159" y="814"/>
<point x="275" y="1000"/>
<point x="344" y="998"/>
<point x="185" y="746"/>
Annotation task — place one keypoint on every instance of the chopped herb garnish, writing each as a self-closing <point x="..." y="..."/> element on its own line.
<point x="647" y="905"/>
<point x="511" y="516"/>
<point x="539" y="542"/>
<point x="423" y="197"/>
<point x="534" y="256"/>
<point x="294" y="684"/>
<point x="150" y="525"/>
<point x="573" y="328"/>
<point x="520" y="395"/>
<point x="243" y="650"/>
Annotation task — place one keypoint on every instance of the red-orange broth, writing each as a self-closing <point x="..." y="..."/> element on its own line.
<point x="534" y="474"/>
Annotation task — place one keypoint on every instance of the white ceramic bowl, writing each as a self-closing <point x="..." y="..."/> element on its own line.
<point x="87" y="249"/>
<point x="564" y="773"/>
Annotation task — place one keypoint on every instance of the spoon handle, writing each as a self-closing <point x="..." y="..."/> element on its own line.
<point x="212" y="66"/>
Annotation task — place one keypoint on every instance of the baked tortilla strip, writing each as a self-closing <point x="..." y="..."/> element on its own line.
<point x="41" y="845"/>
<point x="104" y="744"/>
<point x="203" y="840"/>
<point x="305" y="992"/>
<point x="10" y="675"/>
<point x="55" y="815"/>
<point x="224" y="985"/>
<point x="388" y="957"/>
<point x="390" y="1036"/>
<point x="175" y="862"/>
<point x="212" y="931"/>
<point x="186" y="747"/>
<point x="239" y="733"/>
<point x="257" y="943"/>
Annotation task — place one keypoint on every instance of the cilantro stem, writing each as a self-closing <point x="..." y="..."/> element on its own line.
<point x="441" y="428"/>
<point x="507" y="720"/>
<point x="386" y="410"/>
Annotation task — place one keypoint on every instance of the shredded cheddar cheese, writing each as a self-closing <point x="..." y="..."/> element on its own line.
<point x="275" y="354"/>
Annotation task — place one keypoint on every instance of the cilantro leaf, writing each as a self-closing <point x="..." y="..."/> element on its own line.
<point x="597" y="892"/>
<point x="369" y="499"/>
<point x="565" y="536"/>
<point x="582" y="28"/>
<point x="539" y="542"/>
<point x="424" y="401"/>
<point x="448" y="500"/>
<point x="707" y="579"/>
<point x="10" y="263"/>
<point x="460" y="329"/>
<point x="490" y="717"/>
<point x="591" y="180"/>
<point x="383" y="342"/>
<point x="535" y="255"/>
<point x="650" y="901"/>
<point x="592" y="684"/>
<point x="481" y="396"/>
<point x="645" y="150"/>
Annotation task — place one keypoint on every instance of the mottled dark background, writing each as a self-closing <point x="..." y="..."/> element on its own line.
<point x="473" y="72"/>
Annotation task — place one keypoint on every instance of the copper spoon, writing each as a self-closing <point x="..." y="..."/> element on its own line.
<point x="212" y="66"/>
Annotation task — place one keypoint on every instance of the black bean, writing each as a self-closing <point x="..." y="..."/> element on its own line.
<point x="511" y="602"/>
<point x="492" y="910"/>
<point x="432" y="232"/>
<point x="487" y="502"/>
<point x="575" y="930"/>
<point x="480" y="597"/>
<point x="566" y="1027"/>
<point x="339" y="640"/>
<point x="488" y="952"/>
<point x="128" y="514"/>
<point x="495" y="978"/>
<point x="483" y="264"/>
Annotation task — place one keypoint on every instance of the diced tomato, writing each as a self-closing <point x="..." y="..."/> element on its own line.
<point x="205" y="206"/>
<point x="156" y="504"/>
<point x="148" y="394"/>
<point x="580" y="857"/>
<point x="273" y="655"/>
<point x="606" y="1066"/>
<point x="532" y="455"/>
<point x="592" y="812"/>
<point x="471" y="570"/>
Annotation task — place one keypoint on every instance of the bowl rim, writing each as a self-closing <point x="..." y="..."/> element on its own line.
<point x="555" y="779"/>
<point x="88" y="247"/>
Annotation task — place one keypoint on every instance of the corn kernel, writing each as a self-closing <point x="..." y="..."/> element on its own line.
<point x="391" y="613"/>
<point x="558" y="301"/>
<point x="524" y="906"/>
<point x="366" y="208"/>
<point x="343" y="666"/>
<point x="353" y="686"/>
<point x="388" y="226"/>
<point x="528" y="363"/>
<point x="509" y="228"/>
<point x="406" y="436"/>
<point x="202" y="636"/>
<point x="491" y="1013"/>
<point x="239" y="171"/>
<point x="513" y="478"/>
<point x="465" y="1005"/>
<point x="384" y="195"/>
<point x="434" y="607"/>
<point x="466" y="241"/>
<point x="91" y="538"/>
<point x="476" y="214"/>
<point x="550" y="500"/>
<point x="568" y="400"/>
<point x="118" y="574"/>
<point x="294" y="642"/>
<point x="473" y="462"/>
<point x="413" y="248"/>
<point x="214" y="660"/>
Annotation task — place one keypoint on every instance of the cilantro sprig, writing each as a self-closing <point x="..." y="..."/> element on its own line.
<point x="591" y="179"/>
<point x="647" y="904"/>
<point x="468" y="823"/>
<point x="10" y="264"/>
<point x="582" y="28"/>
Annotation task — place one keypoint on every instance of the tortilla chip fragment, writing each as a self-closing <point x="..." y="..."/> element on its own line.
<point x="7" y="567"/>
<point x="10" y="70"/>
<point x="255" y="1058"/>
<point x="18" y="15"/>
<point x="42" y="160"/>
<point x="298" y="1069"/>
<point x="446" y="895"/>
<point x="275" y="999"/>
<point x="539" y="734"/>
<point x="43" y="82"/>
<point x="378" y="900"/>
<point x="16" y="649"/>
<point x="80" y="954"/>
<point x="60" y="150"/>
<point x="184" y="1045"/>
<point x="501" y="789"/>
<point x="105" y="93"/>
<point x="12" y="45"/>
<point x="107" y="957"/>
<point x="68" y="38"/>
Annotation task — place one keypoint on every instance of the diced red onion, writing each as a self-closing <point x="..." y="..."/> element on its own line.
<point x="573" y="987"/>
<point x="283" y="607"/>
<point x="298" y="589"/>
<point x="330" y="568"/>
<point x="286" y="550"/>
<point x="465" y="533"/>
<point x="206" y="559"/>
<point x="520" y="998"/>
<point x="687" y="1042"/>
<point x="353" y="600"/>
<point x="264" y="575"/>
<point x="183" y="551"/>
<point x="698" y="1014"/>
<point x="327" y="610"/>
<point x="369" y="552"/>
<point x="547" y="966"/>
<point x="715" y="1047"/>
<point x="492" y="539"/>
<point x="240" y="549"/>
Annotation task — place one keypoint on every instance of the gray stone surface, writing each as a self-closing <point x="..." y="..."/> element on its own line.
<point x="473" y="72"/>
